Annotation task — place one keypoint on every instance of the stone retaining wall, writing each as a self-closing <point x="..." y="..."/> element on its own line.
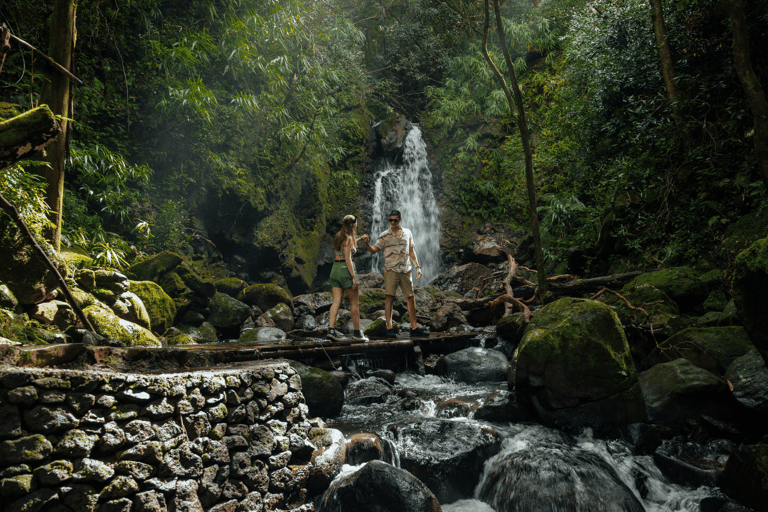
<point x="225" y="440"/>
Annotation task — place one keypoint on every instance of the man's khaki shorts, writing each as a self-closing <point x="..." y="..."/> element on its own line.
<point x="394" y="279"/>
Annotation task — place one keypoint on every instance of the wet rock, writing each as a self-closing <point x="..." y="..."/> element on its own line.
<point x="447" y="316"/>
<point x="474" y="365"/>
<point x="367" y="391"/>
<point x="711" y="348"/>
<point x="327" y="460"/>
<point x="679" y="390"/>
<point x="364" y="447"/>
<point x="261" y="334"/>
<point x="503" y="406"/>
<point x="511" y="328"/>
<point x="575" y="367"/>
<point x="282" y="316"/>
<point x="643" y="438"/>
<point x="749" y="376"/>
<point x="265" y="296"/>
<point x="688" y="463"/>
<point x="448" y="456"/>
<point x="227" y="313"/>
<point x="463" y="278"/>
<point x="393" y="489"/>
<point x="322" y="391"/>
<point x="551" y="472"/>
<point x="746" y="474"/>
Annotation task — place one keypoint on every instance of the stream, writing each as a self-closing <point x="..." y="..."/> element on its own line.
<point x="551" y="471"/>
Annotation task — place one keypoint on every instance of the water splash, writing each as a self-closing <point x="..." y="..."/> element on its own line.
<point x="408" y="188"/>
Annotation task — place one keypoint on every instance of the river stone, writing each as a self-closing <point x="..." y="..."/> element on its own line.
<point x="711" y="348"/>
<point x="551" y="473"/>
<point x="33" y="502"/>
<point x="327" y="460"/>
<point x="322" y="391"/>
<point x="26" y="449"/>
<point x="745" y="477"/>
<point x="265" y="296"/>
<point x="368" y="391"/>
<point x="688" y="463"/>
<point x="749" y="377"/>
<point x="227" y="313"/>
<point x="575" y="366"/>
<point x="364" y="447"/>
<point x="282" y="316"/>
<point x="160" y="307"/>
<point x="679" y="390"/>
<point x="448" y="456"/>
<point x="474" y="365"/>
<point x="391" y="488"/>
<point x="447" y="316"/>
<point x="502" y="406"/>
<point x="262" y="334"/>
<point x="750" y="280"/>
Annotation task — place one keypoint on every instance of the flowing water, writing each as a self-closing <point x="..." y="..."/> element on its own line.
<point x="407" y="187"/>
<point x="538" y="468"/>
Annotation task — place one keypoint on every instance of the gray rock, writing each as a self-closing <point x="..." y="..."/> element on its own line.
<point x="749" y="377"/>
<point x="26" y="395"/>
<point x="10" y="421"/>
<point x="186" y="499"/>
<point x="33" y="502"/>
<point x="112" y="439"/>
<point x="150" y="452"/>
<point x="26" y="449"/>
<point x="137" y="470"/>
<point x="134" y="396"/>
<point x="251" y="503"/>
<point x="227" y="506"/>
<point x="197" y="425"/>
<point x="76" y="443"/>
<point x="80" y="497"/>
<point x="91" y="470"/>
<point x="367" y="391"/>
<point x="80" y="402"/>
<point x="212" y="484"/>
<point x="138" y="431"/>
<point x="17" y="485"/>
<point x="182" y="462"/>
<point x="159" y="409"/>
<point x="227" y="313"/>
<point x="54" y="473"/>
<point x="474" y="365"/>
<point x="49" y="420"/>
<point x="120" y="487"/>
<point x="118" y="505"/>
<point x="149" y="501"/>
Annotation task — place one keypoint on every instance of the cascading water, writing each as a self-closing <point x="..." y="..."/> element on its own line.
<point x="408" y="188"/>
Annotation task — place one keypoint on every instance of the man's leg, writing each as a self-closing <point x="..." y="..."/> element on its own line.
<point x="388" y="309"/>
<point x="411" y="301"/>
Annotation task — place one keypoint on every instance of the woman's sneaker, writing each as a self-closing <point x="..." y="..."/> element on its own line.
<point x="336" y="335"/>
<point x="359" y="336"/>
<point x="392" y="333"/>
<point x="420" y="332"/>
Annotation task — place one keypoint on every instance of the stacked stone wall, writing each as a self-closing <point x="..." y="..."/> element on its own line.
<point x="229" y="440"/>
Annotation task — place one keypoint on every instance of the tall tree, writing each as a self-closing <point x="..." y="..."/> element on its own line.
<point x="57" y="95"/>
<point x="665" y="56"/>
<point x="750" y="83"/>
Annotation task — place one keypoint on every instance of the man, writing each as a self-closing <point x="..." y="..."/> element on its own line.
<point x="399" y="252"/>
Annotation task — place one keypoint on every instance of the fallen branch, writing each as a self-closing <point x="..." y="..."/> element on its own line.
<point x="52" y="62"/>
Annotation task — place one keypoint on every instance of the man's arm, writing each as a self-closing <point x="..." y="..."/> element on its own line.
<point x="371" y="248"/>
<point x="414" y="260"/>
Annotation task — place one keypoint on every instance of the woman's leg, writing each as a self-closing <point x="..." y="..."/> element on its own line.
<point x="335" y="305"/>
<point x="354" y="306"/>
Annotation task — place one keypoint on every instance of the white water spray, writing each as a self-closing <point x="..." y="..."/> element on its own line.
<point x="408" y="188"/>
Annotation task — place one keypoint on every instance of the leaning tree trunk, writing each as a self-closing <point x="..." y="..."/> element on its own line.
<point x="57" y="96"/>
<point x="750" y="83"/>
<point x="665" y="56"/>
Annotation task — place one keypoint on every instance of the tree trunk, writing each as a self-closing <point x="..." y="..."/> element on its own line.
<point x="25" y="134"/>
<point x="515" y="99"/>
<point x="57" y="96"/>
<point x="750" y="83"/>
<point x="665" y="56"/>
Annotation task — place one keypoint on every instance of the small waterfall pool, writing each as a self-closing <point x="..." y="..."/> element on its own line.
<point x="407" y="186"/>
<point x="552" y="456"/>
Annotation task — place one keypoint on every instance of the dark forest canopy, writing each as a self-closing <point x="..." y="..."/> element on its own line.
<point x="245" y="124"/>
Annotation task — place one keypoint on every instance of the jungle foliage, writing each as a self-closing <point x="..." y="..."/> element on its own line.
<point x="254" y="114"/>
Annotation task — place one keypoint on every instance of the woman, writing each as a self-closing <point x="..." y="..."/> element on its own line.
<point x="344" y="278"/>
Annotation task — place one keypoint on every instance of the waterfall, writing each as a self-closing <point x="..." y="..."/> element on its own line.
<point x="408" y="188"/>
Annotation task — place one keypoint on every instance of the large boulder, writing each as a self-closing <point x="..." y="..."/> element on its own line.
<point x="682" y="284"/>
<point x="227" y="314"/>
<point x="473" y="365"/>
<point x="448" y="456"/>
<point x="322" y="391"/>
<point x="711" y="348"/>
<point x="679" y="390"/>
<point x="265" y="296"/>
<point x="391" y="490"/>
<point x="159" y="306"/>
<point x="108" y="324"/>
<point x="327" y="460"/>
<point x="282" y="316"/>
<point x="447" y="316"/>
<point x="152" y="269"/>
<point x="548" y="471"/>
<point x="463" y="278"/>
<point x="575" y="367"/>
<point x="749" y="377"/>
<point x="750" y="280"/>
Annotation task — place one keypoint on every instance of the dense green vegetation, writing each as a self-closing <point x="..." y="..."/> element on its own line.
<point x="245" y="124"/>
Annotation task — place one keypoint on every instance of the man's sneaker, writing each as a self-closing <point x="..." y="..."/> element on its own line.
<point x="419" y="332"/>
<point x="391" y="333"/>
<point x="359" y="336"/>
<point x="336" y="335"/>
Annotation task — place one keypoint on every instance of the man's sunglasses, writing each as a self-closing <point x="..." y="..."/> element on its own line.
<point x="394" y="220"/>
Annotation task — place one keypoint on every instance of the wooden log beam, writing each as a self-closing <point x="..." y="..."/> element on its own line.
<point x="25" y="134"/>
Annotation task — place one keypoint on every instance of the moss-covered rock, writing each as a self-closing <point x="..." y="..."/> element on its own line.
<point x="372" y="300"/>
<point x="108" y="324"/>
<point x="155" y="267"/>
<point x="159" y="306"/>
<point x="75" y="258"/>
<point x="174" y="336"/>
<point x="227" y="313"/>
<point x="750" y="282"/>
<point x="659" y="306"/>
<point x="232" y="286"/>
<point x="172" y="284"/>
<point x="742" y="234"/>
<point x="322" y="391"/>
<point x="265" y="296"/>
<point x="7" y="299"/>
<point x="574" y="364"/>
<point x="716" y="301"/>
<point x="710" y="348"/>
<point x="282" y="316"/>
<point x="263" y="335"/>
<point x="683" y="285"/>
<point x="204" y="333"/>
<point x="194" y="282"/>
<point x="377" y="329"/>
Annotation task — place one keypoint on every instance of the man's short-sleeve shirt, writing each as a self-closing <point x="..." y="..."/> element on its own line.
<point x="396" y="250"/>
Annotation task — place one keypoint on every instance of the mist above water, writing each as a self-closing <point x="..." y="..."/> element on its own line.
<point x="408" y="187"/>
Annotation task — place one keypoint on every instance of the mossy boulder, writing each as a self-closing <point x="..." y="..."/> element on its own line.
<point x="282" y="316"/>
<point x="659" y="306"/>
<point x="204" y="333"/>
<point x="750" y="282"/>
<point x="263" y="335"/>
<point x="227" y="314"/>
<point x="372" y="300"/>
<point x="683" y="285"/>
<point x="172" y="284"/>
<point x="232" y="286"/>
<point x="716" y="301"/>
<point x="174" y="336"/>
<point x="155" y="267"/>
<point x="377" y="329"/>
<point x="322" y="391"/>
<point x="75" y="258"/>
<point x="710" y="348"/>
<point x="679" y="390"/>
<point x="574" y="365"/>
<point x="159" y="305"/>
<point x="743" y="233"/>
<point x="194" y="282"/>
<point x="7" y="299"/>
<point x="108" y="324"/>
<point x="265" y="296"/>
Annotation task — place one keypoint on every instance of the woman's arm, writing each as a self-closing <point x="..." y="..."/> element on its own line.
<point x="348" y="259"/>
